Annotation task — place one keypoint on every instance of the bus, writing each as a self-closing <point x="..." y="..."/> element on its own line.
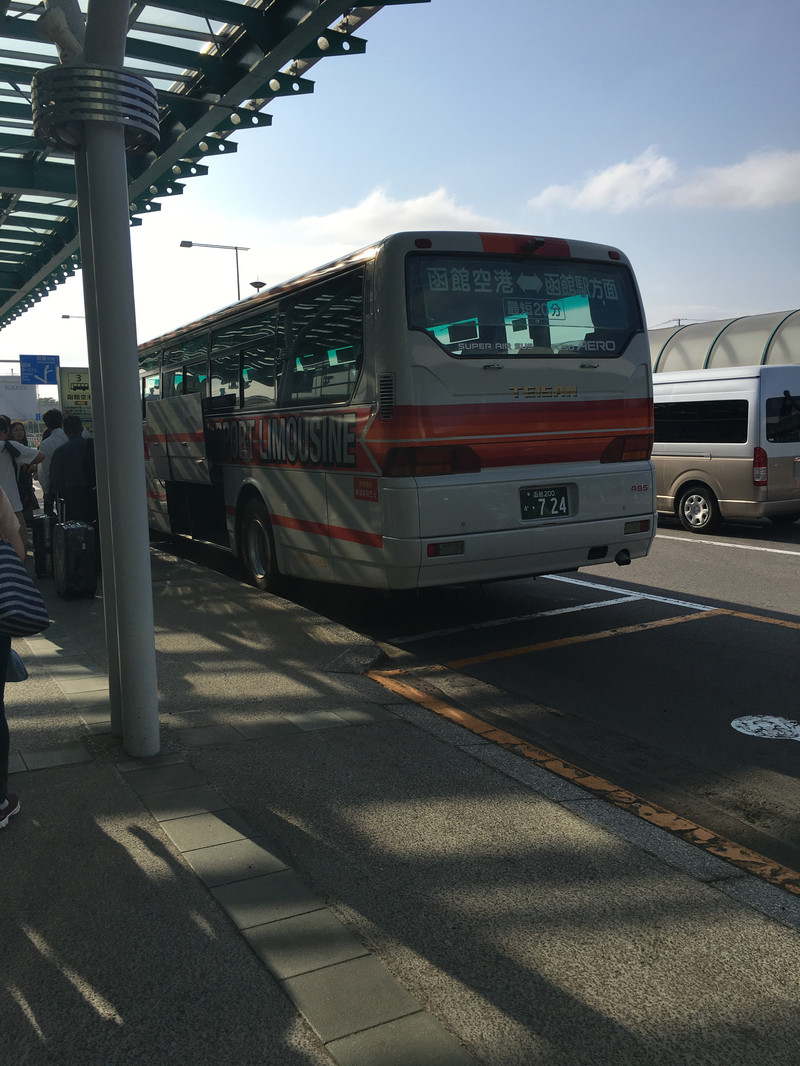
<point x="436" y="409"/>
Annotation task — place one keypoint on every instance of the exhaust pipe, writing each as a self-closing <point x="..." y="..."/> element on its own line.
<point x="623" y="558"/>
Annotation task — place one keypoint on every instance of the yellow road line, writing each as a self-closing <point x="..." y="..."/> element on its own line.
<point x="564" y="642"/>
<point x="713" y="843"/>
<point x="763" y="618"/>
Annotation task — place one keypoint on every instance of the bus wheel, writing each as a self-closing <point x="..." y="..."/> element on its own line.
<point x="258" y="547"/>
<point x="698" y="510"/>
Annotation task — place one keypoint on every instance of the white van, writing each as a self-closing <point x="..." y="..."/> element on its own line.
<point x="727" y="444"/>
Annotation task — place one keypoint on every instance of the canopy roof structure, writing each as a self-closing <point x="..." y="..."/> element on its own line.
<point x="214" y="65"/>
<point x="747" y="341"/>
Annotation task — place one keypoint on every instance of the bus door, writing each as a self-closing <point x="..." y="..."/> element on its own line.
<point x="175" y="428"/>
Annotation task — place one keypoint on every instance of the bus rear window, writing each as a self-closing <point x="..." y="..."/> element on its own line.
<point x="515" y="306"/>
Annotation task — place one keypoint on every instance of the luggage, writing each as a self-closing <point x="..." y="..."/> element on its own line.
<point x="42" y="532"/>
<point x="74" y="560"/>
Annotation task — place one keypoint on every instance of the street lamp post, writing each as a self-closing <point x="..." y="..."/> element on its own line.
<point x="228" y="248"/>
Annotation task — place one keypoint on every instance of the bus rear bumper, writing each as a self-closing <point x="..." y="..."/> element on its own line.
<point x="515" y="553"/>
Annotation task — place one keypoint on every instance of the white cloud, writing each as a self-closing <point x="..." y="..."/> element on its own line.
<point x="295" y="245"/>
<point x="307" y="242"/>
<point x="768" y="179"/>
<point x="377" y="216"/>
<point x="174" y="286"/>
<point x="762" y="180"/>
<point x="623" y="187"/>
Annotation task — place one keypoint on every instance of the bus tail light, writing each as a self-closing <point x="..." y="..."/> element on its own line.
<point x="446" y="547"/>
<point x="427" y="461"/>
<point x="759" y="466"/>
<point x="642" y="525"/>
<point x="627" y="449"/>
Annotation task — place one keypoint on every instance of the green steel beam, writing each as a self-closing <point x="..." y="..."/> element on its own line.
<point x="16" y="112"/>
<point x="31" y="207"/>
<point x="10" y="281"/>
<point x="265" y="53"/>
<point x="336" y="44"/>
<point x="10" y="142"/>
<point x="21" y="176"/>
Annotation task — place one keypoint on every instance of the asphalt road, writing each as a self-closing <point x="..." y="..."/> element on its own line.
<point x="633" y="673"/>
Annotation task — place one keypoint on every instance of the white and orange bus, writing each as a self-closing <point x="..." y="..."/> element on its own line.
<point x="435" y="409"/>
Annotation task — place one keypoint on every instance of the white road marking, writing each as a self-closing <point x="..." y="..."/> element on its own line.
<point x="623" y="592"/>
<point x="692" y="539"/>
<point x="622" y="598"/>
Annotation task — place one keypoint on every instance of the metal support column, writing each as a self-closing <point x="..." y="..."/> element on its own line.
<point x="124" y="449"/>
<point x="99" y="420"/>
<point x="96" y="110"/>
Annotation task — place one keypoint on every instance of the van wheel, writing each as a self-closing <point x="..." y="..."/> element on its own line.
<point x="698" y="510"/>
<point x="257" y="547"/>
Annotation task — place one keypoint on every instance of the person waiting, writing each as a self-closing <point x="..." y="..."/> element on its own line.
<point x="54" y="438"/>
<point x="27" y="496"/>
<point x="72" y="473"/>
<point x="13" y="456"/>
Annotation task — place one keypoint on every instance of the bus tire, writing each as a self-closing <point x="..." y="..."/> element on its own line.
<point x="257" y="547"/>
<point x="698" y="510"/>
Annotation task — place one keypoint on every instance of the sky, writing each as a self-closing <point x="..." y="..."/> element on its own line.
<point x="669" y="130"/>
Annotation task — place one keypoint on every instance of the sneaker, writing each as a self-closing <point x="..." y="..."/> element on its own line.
<point x="9" y="810"/>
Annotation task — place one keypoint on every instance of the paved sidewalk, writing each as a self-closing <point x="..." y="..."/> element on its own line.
<point x="317" y="871"/>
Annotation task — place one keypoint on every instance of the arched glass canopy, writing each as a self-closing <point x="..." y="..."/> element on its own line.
<point x="751" y="340"/>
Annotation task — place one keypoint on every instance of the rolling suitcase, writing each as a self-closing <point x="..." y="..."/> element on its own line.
<point x="42" y="531"/>
<point x="74" y="559"/>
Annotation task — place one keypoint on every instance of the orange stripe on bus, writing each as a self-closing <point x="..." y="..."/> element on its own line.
<point x="522" y="418"/>
<point x="322" y="529"/>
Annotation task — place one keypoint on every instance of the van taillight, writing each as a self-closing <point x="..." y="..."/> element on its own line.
<point x="759" y="466"/>
<point x="428" y="461"/>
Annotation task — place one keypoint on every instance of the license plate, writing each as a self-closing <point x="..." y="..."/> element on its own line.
<point x="550" y="502"/>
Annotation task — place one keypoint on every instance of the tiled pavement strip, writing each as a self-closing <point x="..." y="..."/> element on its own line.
<point x="359" y="1010"/>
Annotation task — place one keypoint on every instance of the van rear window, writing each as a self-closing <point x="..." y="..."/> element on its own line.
<point x="701" y="422"/>
<point x="783" y="419"/>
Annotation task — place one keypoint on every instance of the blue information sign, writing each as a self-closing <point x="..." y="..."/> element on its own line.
<point x="38" y="369"/>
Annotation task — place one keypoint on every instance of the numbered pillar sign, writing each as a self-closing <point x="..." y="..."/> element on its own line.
<point x="75" y="393"/>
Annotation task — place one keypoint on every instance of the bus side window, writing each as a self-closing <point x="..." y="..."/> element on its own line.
<point x="323" y="342"/>
<point x="225" y="381"/>
<point x="150" y="390"/>
<point x="194" y="379"/>
<point x="259" y="373"/>
<point x="170" y="383"/>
